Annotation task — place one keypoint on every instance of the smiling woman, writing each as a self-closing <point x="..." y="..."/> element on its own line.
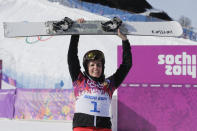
<point x="93" y="92"/>
<point x="95" y="68"/>
<point x="93" y="63"/>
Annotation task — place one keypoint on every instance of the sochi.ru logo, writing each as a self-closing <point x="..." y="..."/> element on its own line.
<point x="180" y="64"/>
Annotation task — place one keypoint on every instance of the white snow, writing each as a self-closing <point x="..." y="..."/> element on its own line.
<point x="49" y="58"/>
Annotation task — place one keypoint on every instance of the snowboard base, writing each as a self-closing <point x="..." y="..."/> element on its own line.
<point x="23" y="29"/>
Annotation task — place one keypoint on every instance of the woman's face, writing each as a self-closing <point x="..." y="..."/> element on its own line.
<point x="95" y="68"/>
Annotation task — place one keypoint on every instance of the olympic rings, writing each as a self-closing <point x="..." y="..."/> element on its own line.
<point x="30" y="42"/>
<point x="38" y="38"/>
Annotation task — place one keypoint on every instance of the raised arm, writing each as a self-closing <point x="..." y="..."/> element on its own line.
<point x="126" y="64"/>
<point x="73" y="60"/>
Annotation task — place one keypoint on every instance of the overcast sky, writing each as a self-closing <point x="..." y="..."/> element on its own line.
<point x="178" y="8"/>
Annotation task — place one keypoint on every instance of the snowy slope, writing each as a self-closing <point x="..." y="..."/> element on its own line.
<point x="42" y="56"/>
<point x="46" y="60"/>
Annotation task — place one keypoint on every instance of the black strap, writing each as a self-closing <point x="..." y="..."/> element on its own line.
<point x="63" y="25"/>
<point x="111" y="25"/>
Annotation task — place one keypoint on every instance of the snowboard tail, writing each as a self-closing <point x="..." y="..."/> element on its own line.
<point x="69" y="27"/>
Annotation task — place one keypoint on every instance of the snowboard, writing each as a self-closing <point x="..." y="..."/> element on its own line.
<point x="90" y="27"/>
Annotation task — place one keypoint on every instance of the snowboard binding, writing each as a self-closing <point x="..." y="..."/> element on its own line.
<point x="112" y="25"/>
<point x="62" y="25"/>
